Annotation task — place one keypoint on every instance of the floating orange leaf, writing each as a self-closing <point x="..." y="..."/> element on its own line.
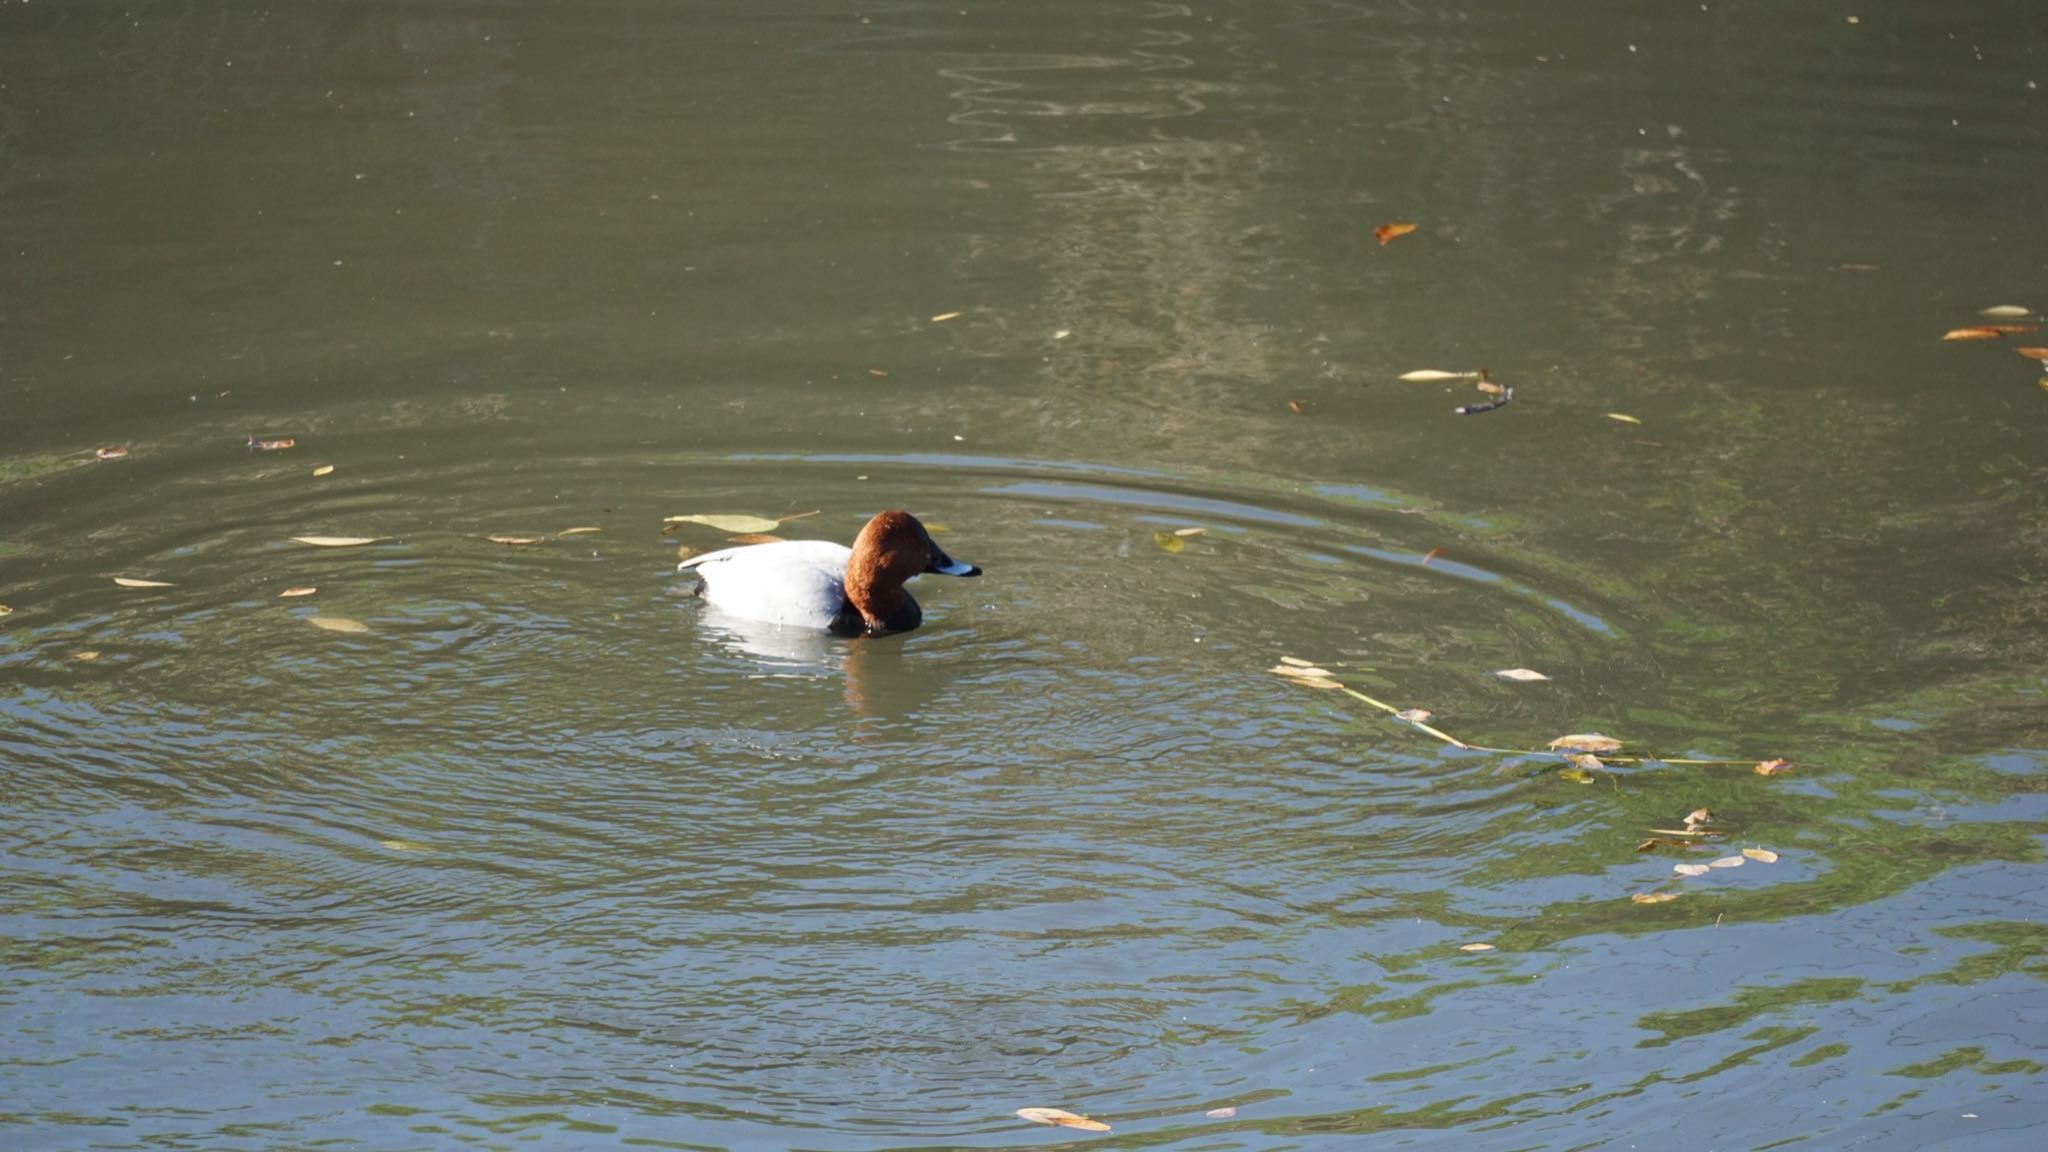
<point x="1624" y="417"/>
<point x="1773" y="767"/>
<point x="1586" y="742"/>
<point x="1982" y="333"/>
<point x="1765" y="855"/>
<point x="2033" y="353"/>
<point x="2012" y="329"/>
<point x="1387" y="232"/>
<point x="1294" y="406"/>
<point x="2005" y="311"/>
<point x="1062" y="1118"/>
<point x="1652" y="897"/>
<point x="110" y="454"/>
<point x="1690" y="869"/>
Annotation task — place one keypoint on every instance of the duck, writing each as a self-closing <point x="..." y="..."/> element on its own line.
<point x="855" y="591"/>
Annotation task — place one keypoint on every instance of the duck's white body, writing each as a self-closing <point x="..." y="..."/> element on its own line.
<point x="801" y="583"/>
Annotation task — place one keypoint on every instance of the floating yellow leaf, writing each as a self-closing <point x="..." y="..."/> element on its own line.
<point x="335" y="541"/>
<point x="1168" y="542"/>
<point x="517" y="539"/>
<point x="1297" y="662"/>
<point x="1980" y="333"/>
<point x="277" y="445"/>
<point x="5" y="610"/>
<point x="578" y="531"/>
<point x="2033" y="353"/>
<point x="735" y="523"/>
<point x="324" y="470"/>
<point x="110" y="454"/>
<point x="1727" y="862"/>
<point x="1193" y="532"/>
<point x="1624" y="417"/>
<point x="1690" y="869"/>
<point x="1576" y="775"/>
<point x="337" y="624"/>
<point x="1773" y="767"/>
<point x="1475" y="947"/>
<point x="1062" y="1118"/>
<point x="942" y="317"/>
<point x="306" y="590"/>
<point x="1521" y="674"/>
<point x="1432" y="375"/>
<point x="1764" y="855"/>
<point x="85" y="657"/>
<point x="132" y="582"/>
<point x="2005" y="311"/>
<point x="1387" y="232"/>
<point x="1586" y="742"/>
<point x="1699" y="816"/>
<point x="1652" y="897"/>
<point x="756" y="538"/>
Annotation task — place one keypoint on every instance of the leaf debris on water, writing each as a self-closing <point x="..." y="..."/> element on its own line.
<point x="1624" y="417"/>
<point x="133" y="582"/>
<point x="1761" y="855"/>
<point x="324" y="470"/>
<point x="85" y="657"/>
<point x="1169" y="541"/>
<point x="942" y="317"/>
<point x="110" y="453"/>
<point x="2033" y="353"/>
<point x="403" y="846"/>
<point x="336" y="541"/>
<point x="1295" y="407"/>
<point x="337" y="624"/>
<point x="1727" y="862"/>
<point x="305" y="590"/>
<point x="727" y="522"/>
<point x="1299" y="671"/>
<point x="5" y="610"/>
<point x="1776" y="767"/>
<point x="1523" y="675"/>
<point x="1062" y="1118"/>
<point x="578" y="531"/>
<point x="1475" y="947"/>
<point x="1189" y="531"/>
<point x="1413" y="715"/>
<point x="1652" y="897"/>
<point x="2005" y="311"/>
<point x="1586" y="742"/>
<point x="1220" y="1113"/>
<point x="277" y="445"/>
<point x="1690" y="869"/>
<point x="1388" y="232"/>
<point x="1432" y="375"/>
<point x="516" y="539"/>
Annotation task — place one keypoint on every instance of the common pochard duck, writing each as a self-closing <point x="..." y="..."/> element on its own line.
<point x="854" y="591"/>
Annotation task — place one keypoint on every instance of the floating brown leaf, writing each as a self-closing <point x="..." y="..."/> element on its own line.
<point x="1773" y="767"/>
<point x="1413" y="715"/>
<point x="1586" y="742"/>
<point x="277" y="445"/>
<point x="1624" y="417"/>
<point x="1387" y="232"/>
<point x="942" y="317"/>
<point x="1727" y="862"/>
<point x="1521" y="674"/>
<point x="336" y="541"/>
<point x="1985" y="332"/>
<point x="1475" y="947"/>
<point x="110" y="453"/>
<point x="1764" y="855"/>
<point x="2005" y="311"/>
<point x="337" y="624"/>
<point x="755" y="538"/>
<point x="1690" y="869"/>
<point x="1295" y="407"/>
<point x="1699" y="816"/>
<point x="132" y="582"/>
<point x="2011" y="329"/>
<point x="516" y="539"/>
<point x="1062" y="1118"/>
<point x="306" y="590"/>
<point x="727" y="523"/>
<point x="1652" y="897"/>
<point x="2033" y="353"/>
<point x="1586" y="762"/>
<point x="1168" y="542"/>
<point x="324" y="470"/>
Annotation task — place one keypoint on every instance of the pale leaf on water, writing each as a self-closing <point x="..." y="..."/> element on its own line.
<point x="1475" y="947"/>
<point x="1297" y="661"/>
<point x="1299" y="671"/>
<point x="1413" y="715"/>
<point x="516" y="539"/>
<point x="306" y="590"/>
<point x="1586" y="742"/>
<point x="1189" y="531"/>
<point x="1624" y="417"/>
<point x="1690" y="869"/>
<point x="733" y="523"/>
<point x="1761" y="855"/>
<point x="132" y="582"/>
<point x="2005" y="311"/>
<point x="5" y="610"/>
<point x="324" y="470"/>
<point x="578" y="531"/>
<point x="1681" y="832"/>
<point x="1727" y="862"/>
<point x="1168" y="542"/>
<point x="1432" y="375"/>
<point x="336" y="541"/>
<point x="337" y="624"/>
<point x="1586" y="762"/>
<point x="1220" y="1113"/>
<point x="1523" y="675"/>
<point x="1699" y="816"/>
<point x="942" y="317"/>
<point x="1062" y="1118"/>
<point x="110" y="454"/>
<point x="1490" y="388"/>
<point x="1652" y="897"/>
<point x="85" y="657"/>
<point x="1773" y="767"/>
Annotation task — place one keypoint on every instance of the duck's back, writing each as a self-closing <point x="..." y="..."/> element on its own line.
<point x="797" y="582"/>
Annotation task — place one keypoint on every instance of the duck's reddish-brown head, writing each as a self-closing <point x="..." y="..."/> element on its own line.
<point x="893" y="548"/>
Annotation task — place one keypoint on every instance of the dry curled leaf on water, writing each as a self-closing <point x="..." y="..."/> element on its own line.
<point x="1761" y="855"/>
<point x="1412" y="715"/>
<point x="277" y="445"/>
<point x="1776" y="767"/>
<point x="1690" y="869"/>
<point x="1195" y="532"/>
<point x="1727" y="862"/>
<point x="336" y="541"/>
<point x="1980" y="332"/>
<point x="878" y="372"/>
<point x="337" y="624"/>
<point x="2033" y="353"/>
<point x="1295" y="407"/>
<point x="942" y="317"/>
<point x="85" y="657"/>
<point x="516" y="539"/>
<point x="132" y="582"/>
<point x="1220" y="1113"/>
<point x="1699" y="816"/>
<point x="1168" y="542"/>
<point x="2005" y="310"/>
<point x="1432" y="375"/>
<point x="306" y="590"/>
<point x="1062" y="1118"/>
<point x="1489" y="387"/>
<point x="1432" y="554"/>
<point x="110" y="453"/>
<point x="1585" y="761"/>
<point x="578" y="531"/>
<point x="755" y="538"/>
<point x="5" y="610"/>
<point x="1387" y="232"/>
<point x="1586" y="742"/>
<point x="724" y="522"/>
<point x="1289" y="667"/>
<point x="324" y="470"/>
<point x="1624" y="417"/>
<point x="1522" y="675"/>
<point x="1652" y="897"/>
